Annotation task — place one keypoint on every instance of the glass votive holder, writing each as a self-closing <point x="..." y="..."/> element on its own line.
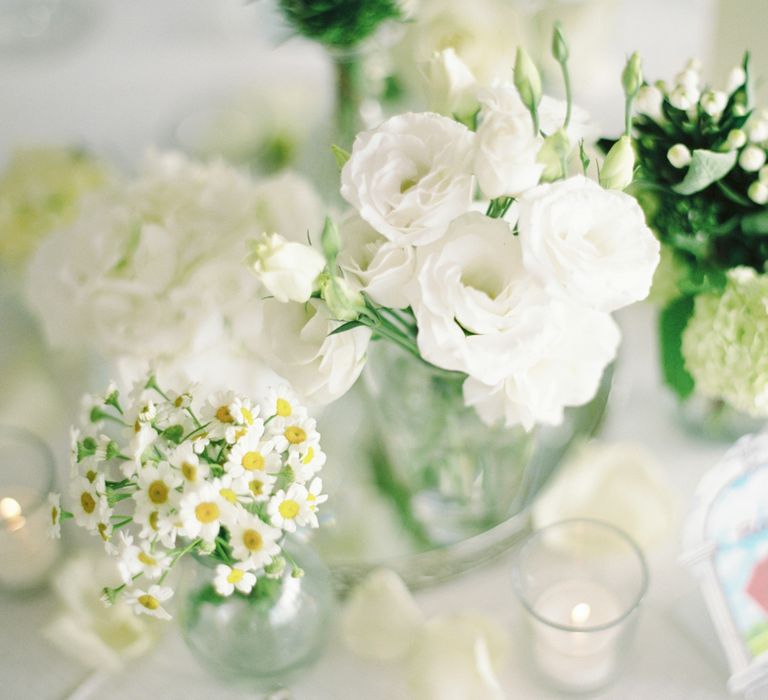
<point x="581" y="583"/>
<point x="27" y="476"/>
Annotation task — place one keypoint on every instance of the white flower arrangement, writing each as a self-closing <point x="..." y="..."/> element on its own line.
<point x="513" y="290"/>
<point x="162" y="476"/>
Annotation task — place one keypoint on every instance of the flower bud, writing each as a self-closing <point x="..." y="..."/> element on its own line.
<point x="763" y="174"/>
<point x="688" y="79"/>
<point x="648" y="101"/>
<point x="758" y="192"/>
<point x="713" y="103"/>
<point x="297" y="572"/>
<point x="758" y="131"/>
<point x="344" y="302"/>
<point x="736" y="78"/>
<point x="527" y="79"/>
<point x="275" y="568"/>
<point x="553" y="154"/>
<point x="330" y="240"/>
<point x="752" y="158"/>
<point x="451" y="86"/>
<point x="632" y="75"/>
<point x="736" y="139"/>
<point x="679" y="155"/>
<point x="683" y="98"/>
<point x="559" y="46"/>
<point x="619" y="165"/>
<point x="288" y="270"/>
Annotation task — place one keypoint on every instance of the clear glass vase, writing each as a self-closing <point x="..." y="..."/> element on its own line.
<point x="264" y="640"/>
<point x="450" y="475"/>
<point x="716" y="420"/>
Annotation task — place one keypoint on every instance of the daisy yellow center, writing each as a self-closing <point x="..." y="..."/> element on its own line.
<point x="189" y="471"/>
<point x="252" y="540"/>
<point x="54" y="515"/>
<point x="178" y="401"/>
<point x="240" y="434"/>
<point x="158" y="492"/>
<point x="90" y="475"/>
<point x="206" y="512"/>
<point x="256" y="487"/>
<point x="229" y="495"/>
<point x="309" y="456"/>
<point x="223" y="415"/>
<point x="295" y="435"/>
<point x="289" y="509"/>
<point x="146" y="559"/>
<point x="87" y="502"/>
<point x="252" y="461"/>
<point x="102" y="528"/>
<point x="235" y="576"/>
<point x="283" y="408"/>
<point x="149" y="601"/>
<point x="247" y="415"/>
<point x="153" y="516"/>
<point x="137" y="426"/>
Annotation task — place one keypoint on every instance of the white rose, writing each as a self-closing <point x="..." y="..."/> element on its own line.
<point x="621" y="483"/>
<point x="560" y="366"/>
<point x="288" y="270"/>
<point x="382" y="269"/>
<point x="476" y="306"/>
<point x="411" y="176"/>
<point x="587" y="244"/>
<point x="451" y="87"/>
<point x="297" y="344"/>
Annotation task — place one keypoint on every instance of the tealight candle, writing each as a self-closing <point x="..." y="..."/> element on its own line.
<point x="26" y="476"/>
<point x="581" y="583"/>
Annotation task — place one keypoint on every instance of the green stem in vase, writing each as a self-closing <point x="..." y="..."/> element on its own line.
<point x="348" y="98"/>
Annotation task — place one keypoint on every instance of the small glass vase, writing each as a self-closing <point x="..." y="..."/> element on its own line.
<point x="716" y="420"/>
<point x="450" y="475"/>
<point x="265" y="640"/>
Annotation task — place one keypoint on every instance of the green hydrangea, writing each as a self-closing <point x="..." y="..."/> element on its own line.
<point x="338" y="23"/>
<point x="40" y="191"/>
<point x="725" y="344"/>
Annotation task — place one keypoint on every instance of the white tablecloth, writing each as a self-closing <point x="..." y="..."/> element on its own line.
<point x="121" y="88"/>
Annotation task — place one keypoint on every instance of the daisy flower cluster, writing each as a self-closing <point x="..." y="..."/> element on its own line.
<point x="159" y="476"/>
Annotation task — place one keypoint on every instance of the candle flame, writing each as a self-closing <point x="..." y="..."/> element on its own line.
<point x="9" y="508"/>
<point x="580" y="613"/>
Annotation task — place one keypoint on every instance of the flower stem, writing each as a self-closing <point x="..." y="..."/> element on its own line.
<point x="194" y="543"/>
<point x="347" y="70"/>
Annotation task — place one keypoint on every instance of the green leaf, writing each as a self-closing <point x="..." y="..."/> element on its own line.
<point x="755" y="224"/>
<point x="340" y="155"/>
<point x="672" y="322"/>
<point x="583" y="157"/>
<point x="706" y="167"/>
<point x="174" y="433"/>
<point x="348" y="326"/>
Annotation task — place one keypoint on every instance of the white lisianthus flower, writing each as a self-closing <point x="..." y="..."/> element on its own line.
<point x="451" y="87"/>
<point x="382" y="269"/>
<point x="288" y="270"/>
<point x="411" y="176"/>
<point x="561" y="366"/>
<point x="476" y="306"/>
<point x="586" y="244"/>
<point x="321" y="367"/>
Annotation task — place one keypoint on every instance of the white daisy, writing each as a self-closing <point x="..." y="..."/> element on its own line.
<point x="200" y="441"/>
<point x="281" y="403"/>
<point x="307" y="463"/>
<point x="297" y="435"/>
<point x="157" y="486"/>
<point x="202" y="512"/>
<point x="253" y="541"/>
<point x="141" y="559"/>
<point x="157" y="526"/>
<point x="54" y="524"/>
<point x="290" y="508"/>
<point x="74" y="438"/>
<point x="187" y="461"/>
<point x="229" y="578"/>
<point x="315" y="497"/>
<point x="217" y="415"/>
<point x="251" y="454"/>
<point x="259" y="485"/>
<point x="90" y="501"/>
<point x="149" y="602"/>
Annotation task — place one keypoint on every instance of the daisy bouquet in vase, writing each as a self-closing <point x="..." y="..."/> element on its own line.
<point x="484" y="264"/>
<point x="159" y="475"/>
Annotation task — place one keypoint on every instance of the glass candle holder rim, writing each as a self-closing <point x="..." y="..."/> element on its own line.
<point x="517" y="584"/>
<point x="21" y="435"/>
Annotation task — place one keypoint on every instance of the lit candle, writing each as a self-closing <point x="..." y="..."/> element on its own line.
<point x="26" y="552"/>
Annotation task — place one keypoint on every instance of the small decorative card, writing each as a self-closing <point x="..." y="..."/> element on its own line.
<point x="726" y="545"/>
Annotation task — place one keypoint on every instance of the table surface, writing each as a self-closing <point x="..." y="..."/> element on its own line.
<point x="120" y="88"/>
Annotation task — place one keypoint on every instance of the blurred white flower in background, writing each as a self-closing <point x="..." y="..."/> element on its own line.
<point x="619" y="483"/>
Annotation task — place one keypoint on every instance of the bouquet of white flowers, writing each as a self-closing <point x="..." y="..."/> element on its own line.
<point x="162" y="476"/>
<point x="513" y="290"/>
